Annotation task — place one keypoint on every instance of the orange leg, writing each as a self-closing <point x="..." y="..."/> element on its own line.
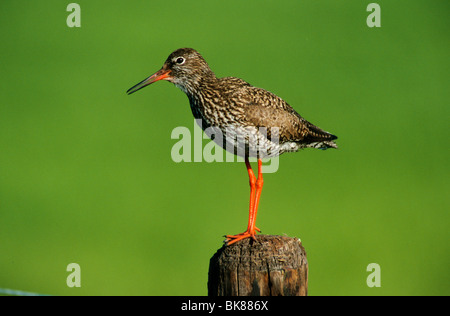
<point x="259" y="186"/>
<point x="256" y="185"/>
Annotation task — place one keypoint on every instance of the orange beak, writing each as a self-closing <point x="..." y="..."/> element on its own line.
<point x="162" y="74"/>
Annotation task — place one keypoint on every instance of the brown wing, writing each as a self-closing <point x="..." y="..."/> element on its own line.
<point x="265" y="109"/>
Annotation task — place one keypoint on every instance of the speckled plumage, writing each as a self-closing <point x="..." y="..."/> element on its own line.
<point x="243" y="119"/>
<point x="260" y="121"/>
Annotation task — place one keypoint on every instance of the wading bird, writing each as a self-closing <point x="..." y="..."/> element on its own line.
<point x="251" y="114"/>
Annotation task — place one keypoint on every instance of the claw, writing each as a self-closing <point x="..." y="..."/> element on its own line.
<point x="231" y="239"/>
<point x="244" y="233"/>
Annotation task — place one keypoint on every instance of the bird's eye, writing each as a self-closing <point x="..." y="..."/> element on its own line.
<point x="180" y="60"/>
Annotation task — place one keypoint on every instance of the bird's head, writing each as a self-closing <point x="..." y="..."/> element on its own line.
<point x="185" y="67"/>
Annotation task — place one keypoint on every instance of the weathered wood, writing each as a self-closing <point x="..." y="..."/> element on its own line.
<point x="269" y="266"/>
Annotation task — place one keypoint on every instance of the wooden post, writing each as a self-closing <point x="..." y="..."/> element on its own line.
<point x="269" y="266"/>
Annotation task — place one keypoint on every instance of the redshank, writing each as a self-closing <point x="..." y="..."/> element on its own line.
<point x="243" y="115"/>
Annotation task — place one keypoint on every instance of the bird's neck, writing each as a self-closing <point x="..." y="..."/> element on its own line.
<point x="198" y="92"/>
<point x="196" y="86"/>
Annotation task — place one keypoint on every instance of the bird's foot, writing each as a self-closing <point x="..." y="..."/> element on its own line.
<point x="246" y="232"/>
<point x="231" y="239"/>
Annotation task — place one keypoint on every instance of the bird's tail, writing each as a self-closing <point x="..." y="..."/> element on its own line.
<point x="319" y="139"/>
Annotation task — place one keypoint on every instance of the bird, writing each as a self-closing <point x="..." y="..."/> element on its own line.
<point x="248" y="121"/>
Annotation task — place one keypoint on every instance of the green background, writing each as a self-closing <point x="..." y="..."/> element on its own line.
<point x="86" y="174"/>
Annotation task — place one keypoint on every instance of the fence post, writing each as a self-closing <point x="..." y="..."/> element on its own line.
<point x="269" y="266"/>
